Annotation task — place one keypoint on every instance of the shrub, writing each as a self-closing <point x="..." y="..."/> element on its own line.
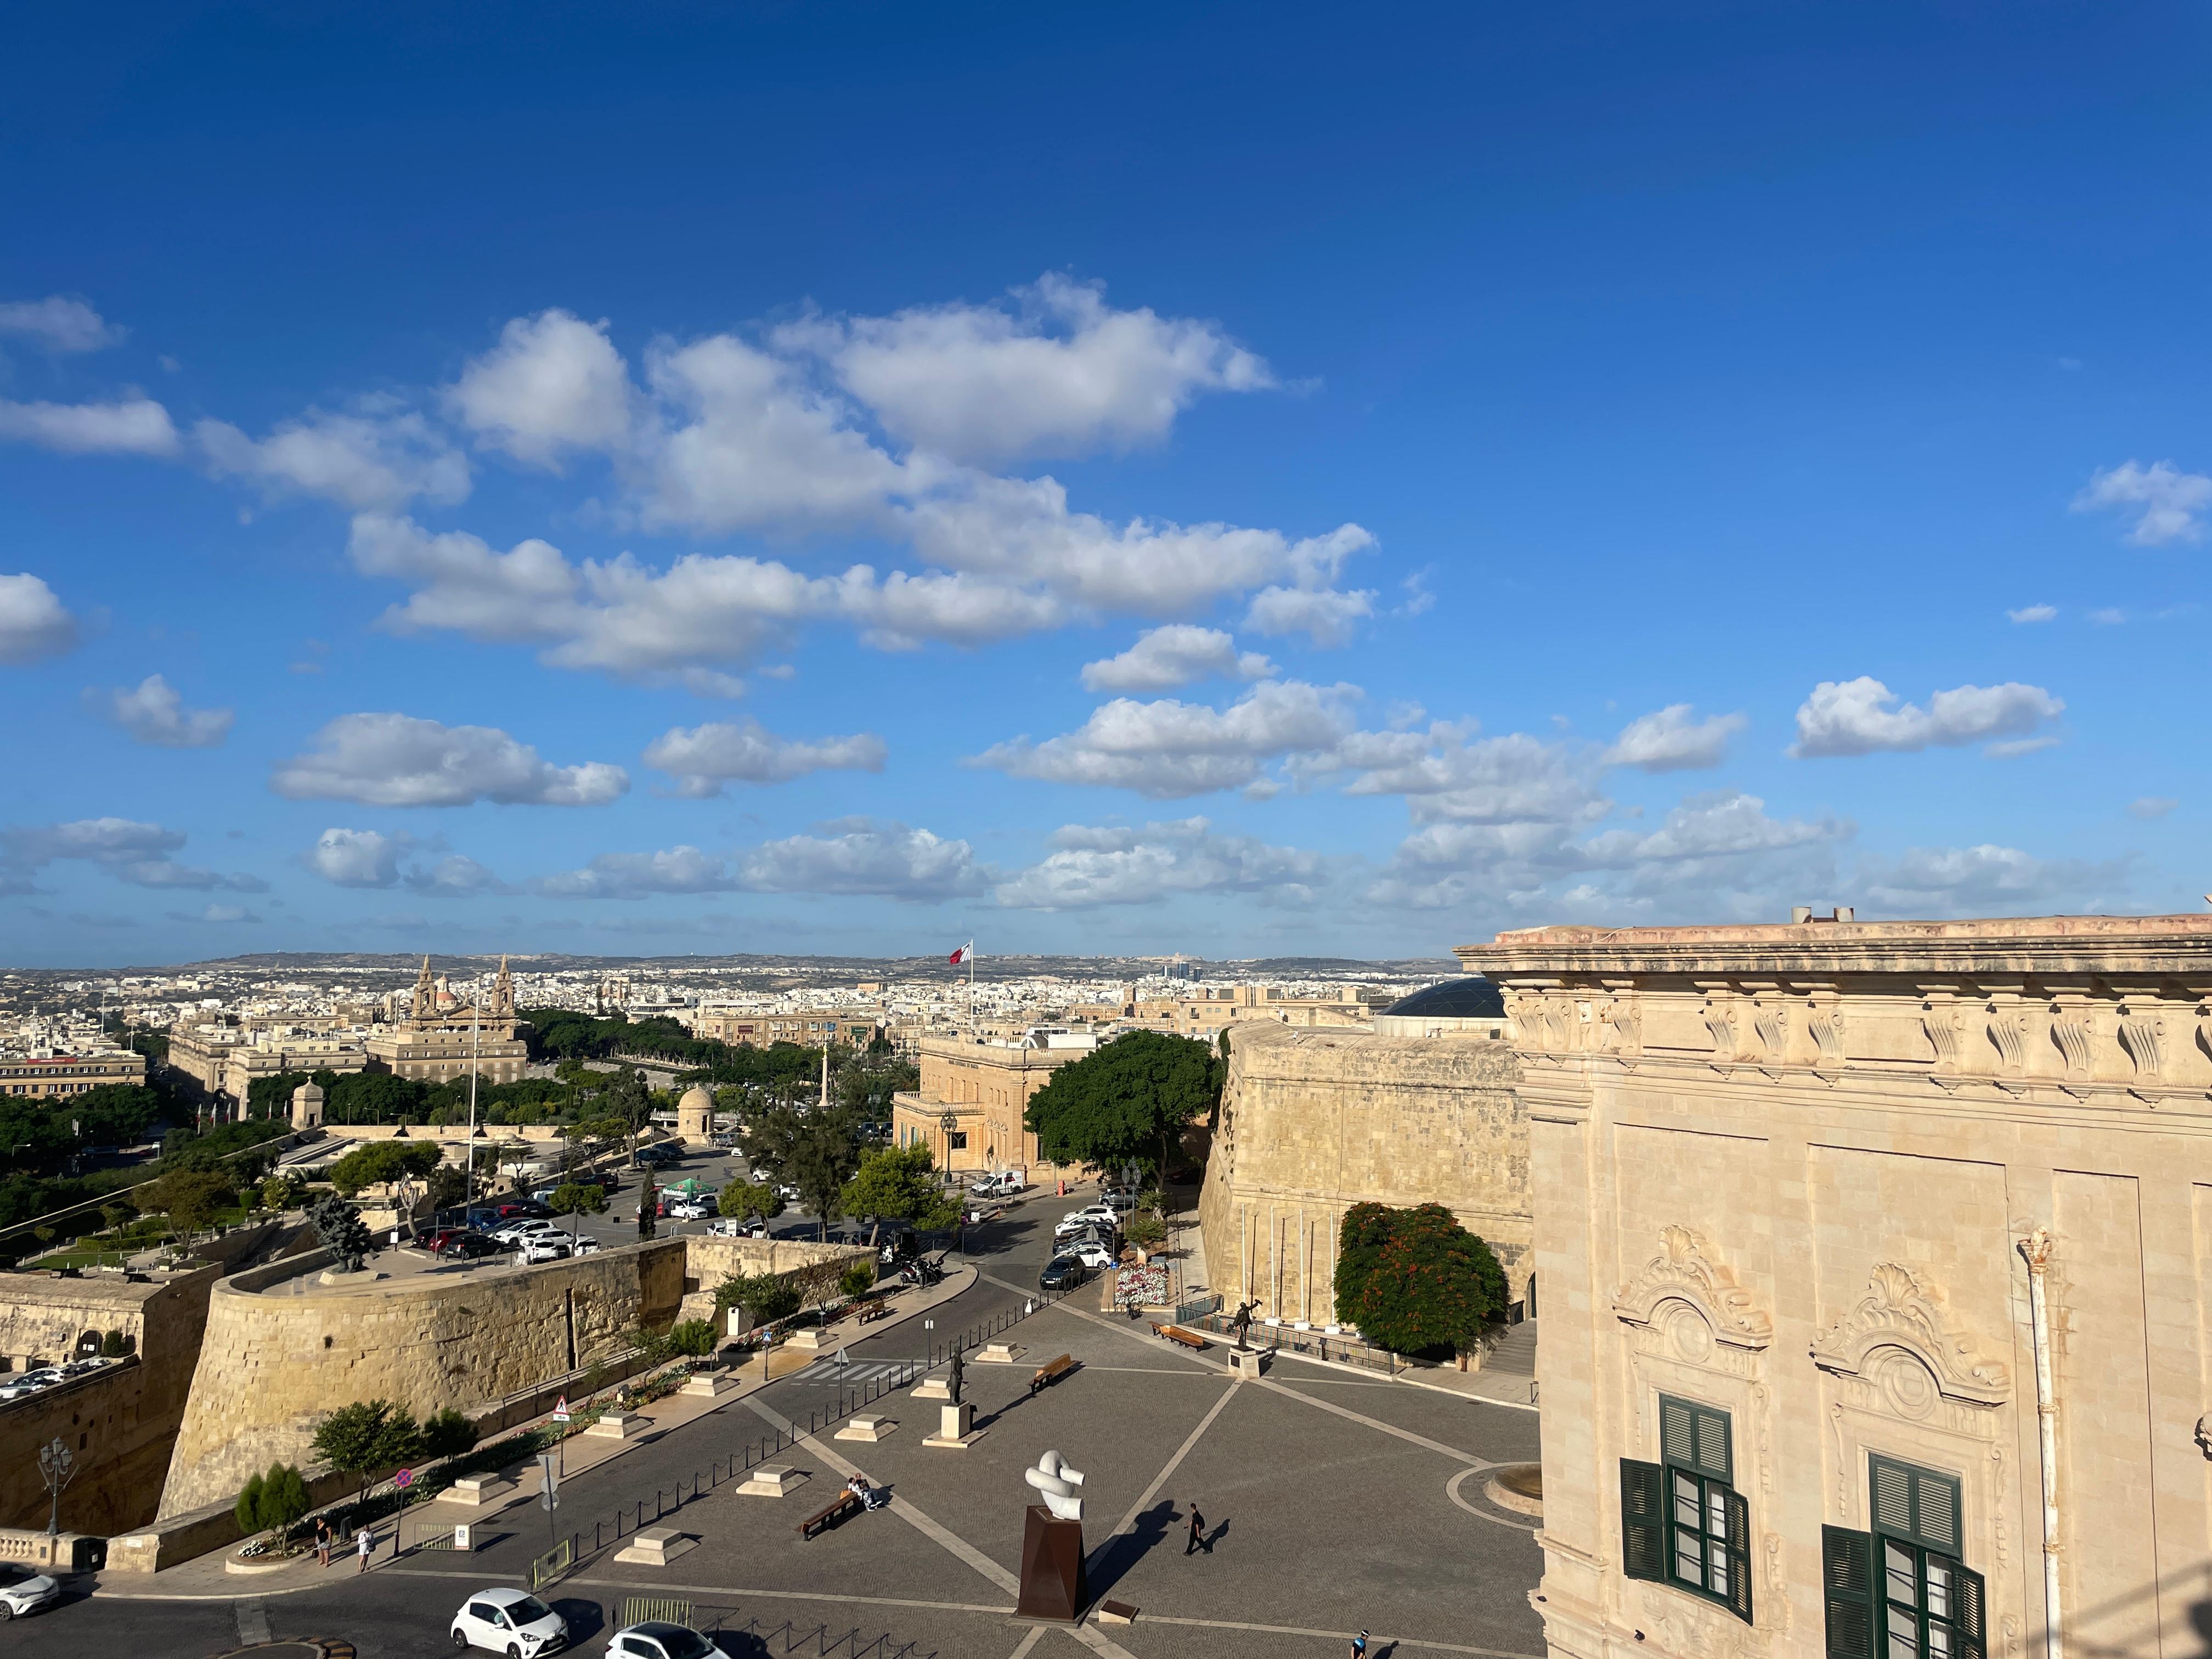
<point x="114" y="1345"/>
<point x="283" y="1496"/>
<point x="1146" y="1229"/>
<point x="368" y="1436"/>
<point x="1414" y="1280"/>
<point x="448" y="1434"/>
<point x="857" y="1279"/>
<point x="767" y="1296"/>
<point x="248" y="1508"/>
<point x="692" y="1336"/>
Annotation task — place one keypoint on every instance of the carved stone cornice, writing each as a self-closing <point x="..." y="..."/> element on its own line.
<point x="1902" y="1311"/>
<point x="1688" y="1269"/>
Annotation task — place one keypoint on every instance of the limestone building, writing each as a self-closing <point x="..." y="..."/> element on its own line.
<point x="47" y="1075"/>
<point x="1205" y="1013"/>
<point x="1871" y="1262"/>
<point x="443" y="1038"/>
<point x="1313" y="1122"/>
<point x="753" y="1028"/>
<point x="983" y="1088"/>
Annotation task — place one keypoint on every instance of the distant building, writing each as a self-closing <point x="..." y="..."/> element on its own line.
<point x="50" y="1074"/>
<point x="984" y="1087"/>
<point x="437" y="1043"/>
<point x="809" y="1028"/>
<point x="1204" y="1013"/>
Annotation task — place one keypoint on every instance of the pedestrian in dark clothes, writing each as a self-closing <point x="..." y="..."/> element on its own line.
<point x="1359" y="1646"/>
<point x="323" y="1541"/>
<point x="1197" y="1530"/>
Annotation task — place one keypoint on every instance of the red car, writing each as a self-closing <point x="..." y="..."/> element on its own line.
<point x="441" y="1241"/>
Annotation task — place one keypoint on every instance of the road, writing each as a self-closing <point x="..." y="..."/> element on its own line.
<point x="404" y="1607"/>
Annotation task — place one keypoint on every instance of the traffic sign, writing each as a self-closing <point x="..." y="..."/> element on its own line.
<point x="404" y="1480"/>
<point x="561" y="1409"/>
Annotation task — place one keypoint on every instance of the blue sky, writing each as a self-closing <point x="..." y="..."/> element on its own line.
<point x="1255" y="481"/>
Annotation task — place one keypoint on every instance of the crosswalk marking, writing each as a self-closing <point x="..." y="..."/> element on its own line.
<point x="860" y="1370"/>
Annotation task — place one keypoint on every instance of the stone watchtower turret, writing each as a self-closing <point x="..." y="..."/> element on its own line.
<point x="307" y="1106"/>
<point x="694" y="1114"/>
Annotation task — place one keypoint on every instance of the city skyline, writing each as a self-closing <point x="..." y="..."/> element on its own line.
<point x="830" y="493"/>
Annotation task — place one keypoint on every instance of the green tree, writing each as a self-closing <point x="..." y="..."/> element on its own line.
<point x="573" y="1198"/>
<point x="447" y="1434"/>
<point x="191" y="1198"/>
<point x="745" y="1198"/>
<point x="383" y="1160"/>
<point x="1415" y="1281"/>
<point x="695" y="1337"/>
<point x="283" y="1497"/>
<point x="766" y="1297"/>
<point x="899" y="1183"/>
<point x="816" y="1151"/>
<point x="283" y="1191"/>
<point x="247" y="1507"/>
<point x="367" y="1436"/>
<point x="1130" y="1099"/>
<point x="857" y="1280"/>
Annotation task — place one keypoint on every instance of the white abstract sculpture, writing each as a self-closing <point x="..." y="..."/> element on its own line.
<point x="1057" y="1483"/>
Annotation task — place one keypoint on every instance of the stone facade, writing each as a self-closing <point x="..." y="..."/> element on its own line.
<point x="122" y="1420"/>
<point x="1812" y="1182"/>
<point x="987" y="1086"/>
<point x="1313" y="1122"/>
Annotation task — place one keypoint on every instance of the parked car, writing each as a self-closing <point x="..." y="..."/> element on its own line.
<point x="687" y="1209"/>
<point x="1090" y="1226"/>
<point x="523" y="1209"/>
<point x="24" y="1592"/>
<point x="1062" y="1272"/>
<point x="509" y="1621"/>
<point x="440" y="1242"/>
<point x="655" y="1156"/>
<point x="1091" y="1254"/>
<point x="1091" y="1212"/>
<point x="545" y="1247"/>
<point x="1005" y="1184"/>
<point x="516" y="1232"/>
<point x="584" y="1244"/>
<point x="730" y="1226"/>
<point x="656" y="1640"/>
<point x="474" y="1247"/>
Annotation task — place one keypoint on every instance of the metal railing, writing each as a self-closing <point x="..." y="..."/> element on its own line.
<point x="546" y="1568"/>
<point x="664" y="1609"/>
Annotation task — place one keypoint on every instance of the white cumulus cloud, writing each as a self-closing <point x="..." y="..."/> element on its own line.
<point x="129" y="850"/>
<point x="34" y="625"/>
<point x="381" y="459"/>
<point x="1092" y="867"/>
<point x="2033" y="613"/>
<point x="2149" y="807"/>
<point x="1177" y="654"/>
<point x="1168" y="748"/>
<point x="854" y="857"/>
<point x="1673" y="740"/>
<point x="1057" y="372"/>
<point x="132" y="425"/>
<point x="1988" y="879"/>
<point x="58" y="323"/>
<point x="355" y="858"/>
<point x="153" y="711"/>
<point x="1863" y="716"/>
<point x="702" y="759"/>
<point x="2168" y="504"/>
<point x="1324" y="615"/>
<point x="396" y="760"/>
<point x="554" y="383"/>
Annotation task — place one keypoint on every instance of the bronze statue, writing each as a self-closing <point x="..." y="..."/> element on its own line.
<point x="1243" y="1320"/>
<point x="959" y="1373"/>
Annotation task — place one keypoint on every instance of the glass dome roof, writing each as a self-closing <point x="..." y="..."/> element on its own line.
<point x="1453" y="999"/>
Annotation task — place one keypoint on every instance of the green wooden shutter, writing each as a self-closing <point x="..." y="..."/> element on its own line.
<point x="1847" y="1585"/>
<point x="1967" y="1622"/>
<point x="1696" y="1438"/>
<point x="1916" y="1505"/>
<point x="1737" y="1514"/>
<point x="1642" y="1519"/>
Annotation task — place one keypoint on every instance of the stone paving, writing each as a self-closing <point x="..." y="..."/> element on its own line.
<point x="1332" y="1502"/>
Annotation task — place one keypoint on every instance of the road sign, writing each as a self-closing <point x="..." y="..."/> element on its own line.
<point x="549" y="1497"/>
<point x="404" y="1480"/>
<point x="561" y="1409"/>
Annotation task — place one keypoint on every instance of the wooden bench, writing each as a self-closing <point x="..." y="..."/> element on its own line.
<point x="824" y="1519"/>
<point x="872" y="1310"/>
<point x="1051" y="1372"/>
<point x="1176" y="1333"/>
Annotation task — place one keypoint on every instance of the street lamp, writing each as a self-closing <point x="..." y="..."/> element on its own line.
<point x="948" y="1121"/>
<point x="57" y="1463"/>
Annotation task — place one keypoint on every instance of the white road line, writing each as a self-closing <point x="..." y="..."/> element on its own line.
<point x="1129" y="1521"/>
<point x="1036" y="1634"/>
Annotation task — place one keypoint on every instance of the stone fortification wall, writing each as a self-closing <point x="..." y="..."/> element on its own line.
<point x="282" y="1350"/>
<point x="1313" y="1122"/>
<point x="121" y="1421"/>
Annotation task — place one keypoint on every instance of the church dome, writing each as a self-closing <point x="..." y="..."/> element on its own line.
<point x="695" y="1099"/>
<point x="1474" y="998"/>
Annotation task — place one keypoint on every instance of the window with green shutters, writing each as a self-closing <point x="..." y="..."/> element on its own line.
<point x="1899" y="1590"/>
<point x="1682" y="1521"/>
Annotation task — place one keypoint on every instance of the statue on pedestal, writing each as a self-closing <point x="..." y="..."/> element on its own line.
<point x="1053" y="1582"/>
<point x="1243" y="1320"/>
<point x="959" y="1373"/>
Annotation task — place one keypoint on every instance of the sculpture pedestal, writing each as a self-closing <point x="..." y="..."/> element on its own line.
<point x="1053" y="1586"/>
<point x="956" y="1427"/>
<point x="1248" y="1362"/>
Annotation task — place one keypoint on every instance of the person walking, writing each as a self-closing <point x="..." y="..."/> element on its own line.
<point x="1359" y="1646"/>
<point x="323" y="1540"/>
<point x="367" y="1537"/>
<point x="1197" y="1534"/>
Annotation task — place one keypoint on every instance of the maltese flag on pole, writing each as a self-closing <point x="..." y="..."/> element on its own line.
<point x="962" y="953"/>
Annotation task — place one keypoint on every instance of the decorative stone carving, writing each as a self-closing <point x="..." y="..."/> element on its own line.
<point x="2008" y="1036"/>
<point x="1619" y="1026"/>
<point x="1687" y="1269"/>
<point x="1719" y="1015"/>
<point x="2073" y="1033"/>
<point x="1905" y="1320"/>
<point x="1825" y="1025"/>
<point x="1770" y="1025"/>
<point x="2144" y="1036"/>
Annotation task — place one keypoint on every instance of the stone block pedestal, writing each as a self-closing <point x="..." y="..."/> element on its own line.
<point x="933" y="1388"/>
<point x="867" y="1427"/>
<point x="772" y="1480"/>
<point x="956" y="1427"/>
<point x="618" y="1426"/>
<point x="656" y="1546"/>
<point x="479" y="1491"/>
<point x="1248" y="1361"/>
<point x="810" y="1339"/>
<point x="1000" y="1353"/>
<point x="708" y="1385"/>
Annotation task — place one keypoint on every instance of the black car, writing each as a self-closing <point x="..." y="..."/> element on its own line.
<point x="1062" y="1272"/>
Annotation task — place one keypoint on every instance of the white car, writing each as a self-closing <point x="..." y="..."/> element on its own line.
<point x="1082" y="1224"/>
<point x="516" y="1232"/>
<point x="544" y="1247"/>
<point x="1091" y="1212"/>
<point x="23" y="1591"/>
<point x="689" y="1209"/>
<point x="656" y="1640"/>
<point x="1091" y="1254"/>
<point x="509" y="1621"/>
<point x="584" y="1244"/>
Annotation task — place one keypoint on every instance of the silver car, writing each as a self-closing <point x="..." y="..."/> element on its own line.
<point x="23" y="1591"/>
